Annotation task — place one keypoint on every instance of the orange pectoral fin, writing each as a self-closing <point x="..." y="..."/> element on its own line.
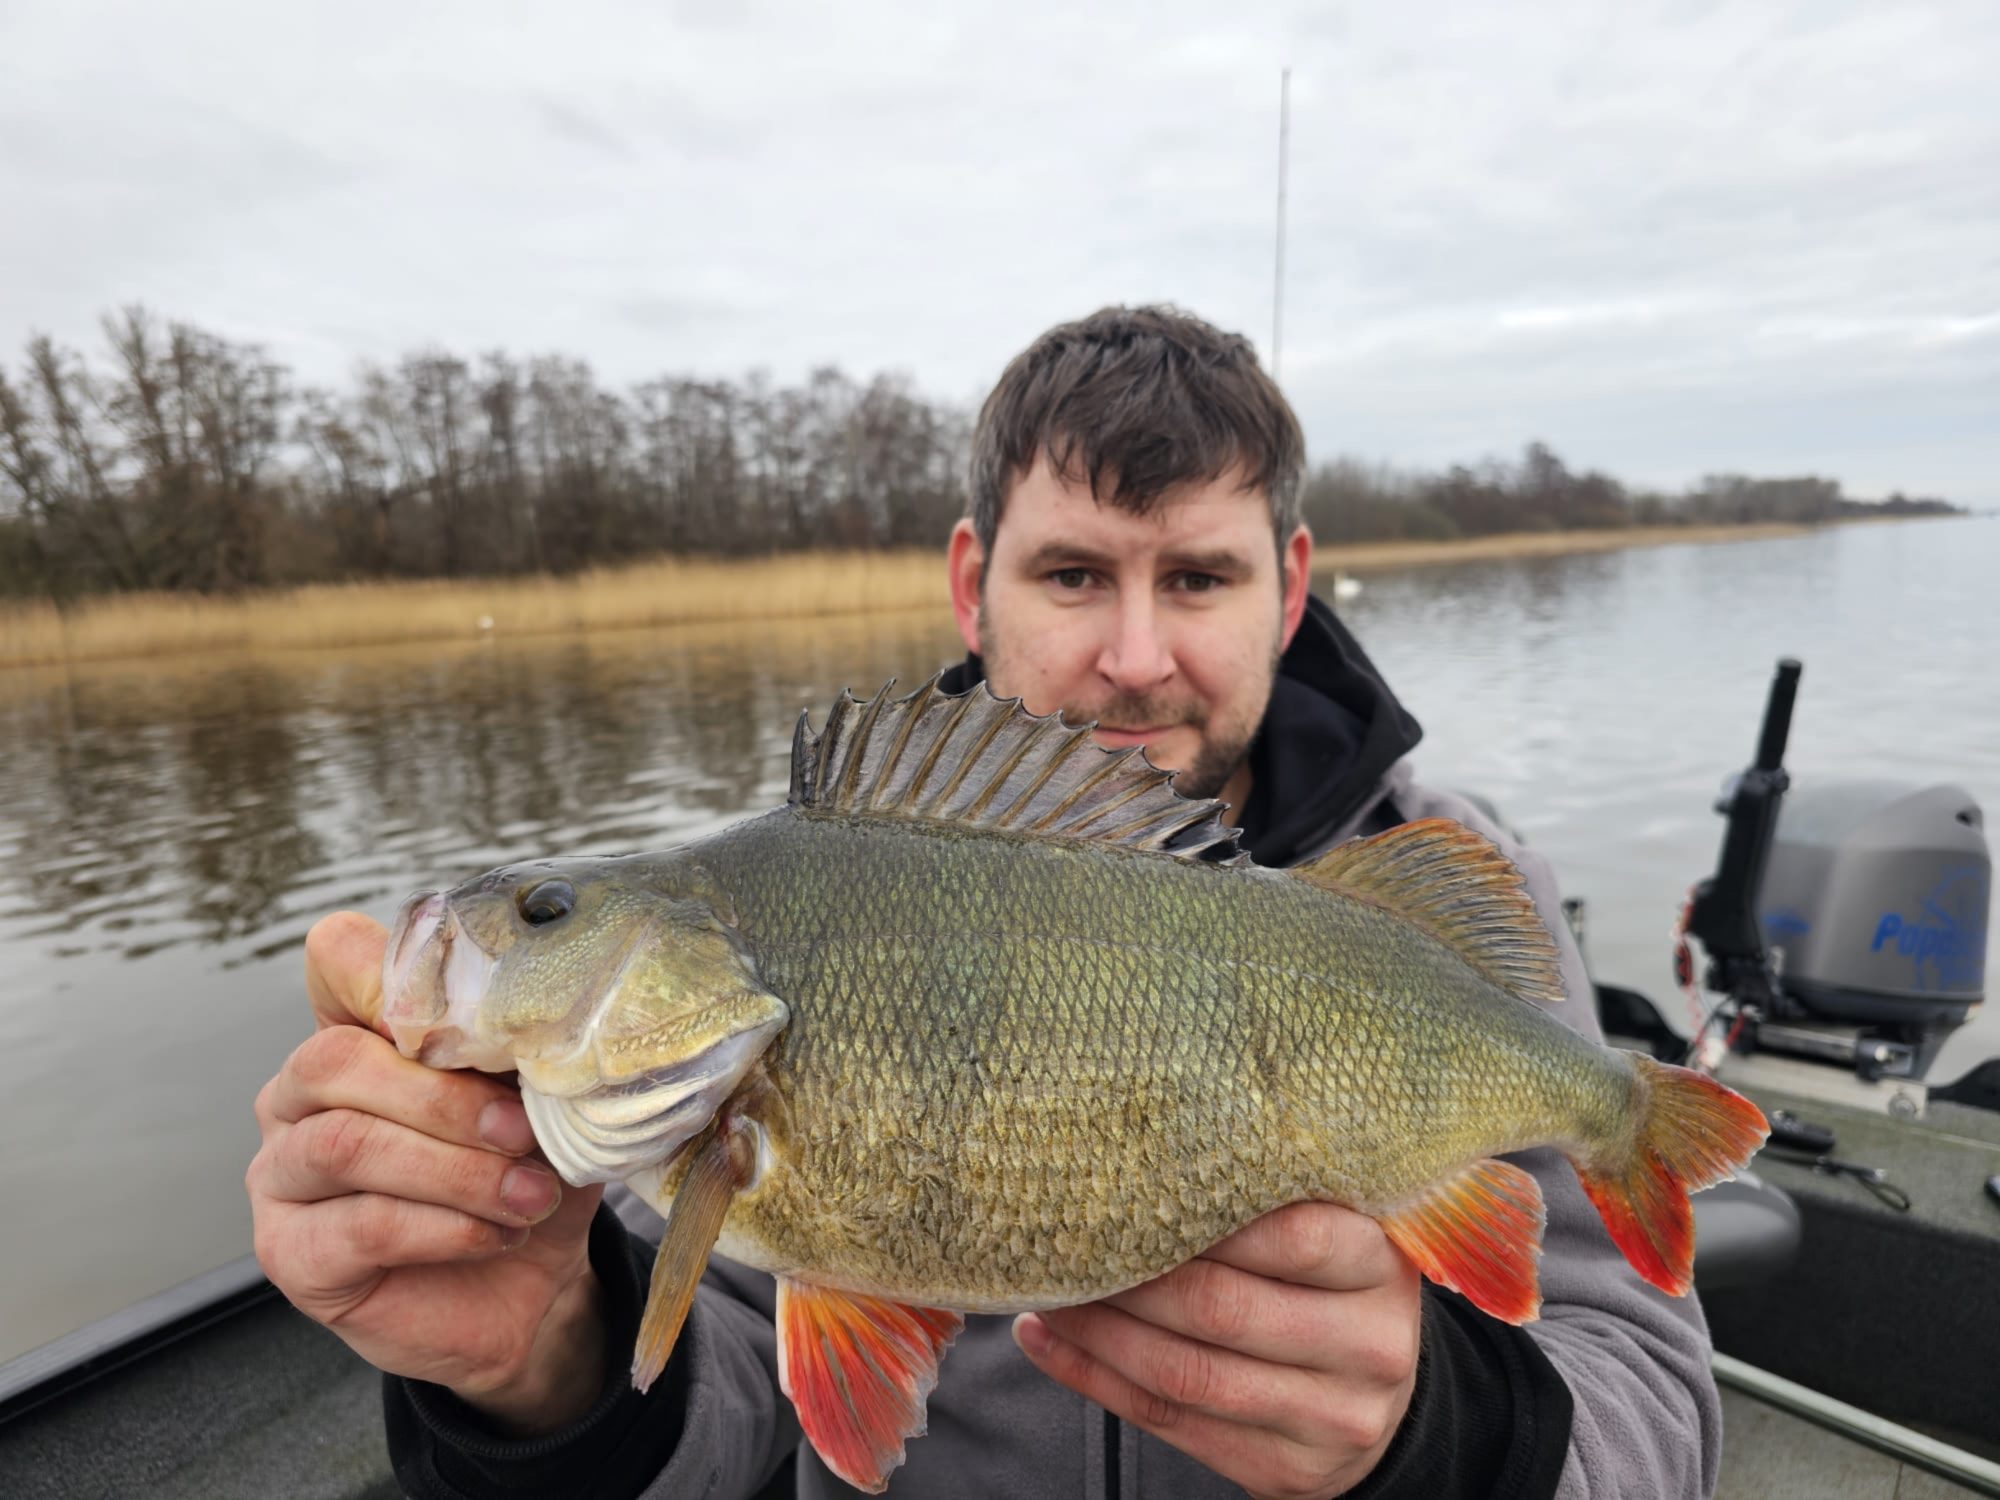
<point x="721" y="1162"/>
<point x="859" y="1370"/>
<point x="1479" y="1232"/>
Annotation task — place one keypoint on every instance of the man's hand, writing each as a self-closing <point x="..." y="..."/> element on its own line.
<point x="1283" y="1359"/>
<point x="400" y="1206"/>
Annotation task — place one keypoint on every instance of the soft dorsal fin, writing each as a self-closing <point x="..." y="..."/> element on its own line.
<point x="984" y="762"/>
<point x="1460" y="888"/>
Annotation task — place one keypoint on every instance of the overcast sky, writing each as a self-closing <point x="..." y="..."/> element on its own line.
<point x="1667" y="238"/>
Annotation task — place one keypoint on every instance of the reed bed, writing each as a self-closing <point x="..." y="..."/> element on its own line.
<point x="664" y="592"/>
<point x="668" y="591"/>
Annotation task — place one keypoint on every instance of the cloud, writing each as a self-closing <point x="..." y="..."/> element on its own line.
<point x="1667" y="238"/>
<point x="566" y="122"/>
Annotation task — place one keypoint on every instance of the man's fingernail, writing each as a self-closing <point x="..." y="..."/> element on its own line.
<point x="515" y="1237"/>
<point x="1033" y="1335"/>
<point x="503" y="1125"/>
<point x="530" y="1192"/>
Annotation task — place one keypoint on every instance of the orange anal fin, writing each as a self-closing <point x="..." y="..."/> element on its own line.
<point x="1692" y="1133"/>
<point x="1479" y="1232"/>
<point x="859" y="1370"/>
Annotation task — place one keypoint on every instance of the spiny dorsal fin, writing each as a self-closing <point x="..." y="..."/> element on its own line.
<point x="986" y="762"/>
<point x="1460" y="888"/>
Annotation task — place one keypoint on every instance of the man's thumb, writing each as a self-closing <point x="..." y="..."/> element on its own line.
<point x="344" y="970"/>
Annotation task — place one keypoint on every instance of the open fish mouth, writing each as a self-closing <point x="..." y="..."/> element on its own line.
<point x="434" y="977"/>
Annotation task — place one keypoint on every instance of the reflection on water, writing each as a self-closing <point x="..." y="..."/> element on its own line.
<point x="158" y="807"/>
<point x="169" y="832"/>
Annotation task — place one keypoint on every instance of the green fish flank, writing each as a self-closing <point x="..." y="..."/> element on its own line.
<point x="1022" y="1073"/>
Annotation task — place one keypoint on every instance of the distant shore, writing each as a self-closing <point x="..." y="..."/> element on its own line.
<point x="1382" y="557"/>
<point x="663" y="592"/>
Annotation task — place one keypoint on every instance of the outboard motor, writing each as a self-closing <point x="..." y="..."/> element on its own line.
<point x="1845" y="924"/>
<point x="1874" y="906"/>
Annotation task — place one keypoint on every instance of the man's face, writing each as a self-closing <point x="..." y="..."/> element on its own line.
<point x="1166" y="629"/>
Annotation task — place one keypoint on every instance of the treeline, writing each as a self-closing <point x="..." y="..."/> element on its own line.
<point x="191" y="462"/>
<point x="1348" y="501"/>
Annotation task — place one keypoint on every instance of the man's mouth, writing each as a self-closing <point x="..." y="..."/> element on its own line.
<point x="1118" y="736"/>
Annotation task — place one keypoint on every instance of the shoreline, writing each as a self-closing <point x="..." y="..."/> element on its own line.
<point x="1382" y="557"/>
<point x="667" y="591"/>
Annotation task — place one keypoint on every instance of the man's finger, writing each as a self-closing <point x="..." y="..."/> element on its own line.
<point x="345" y="1067"/>
<point x="1249" y="1456"/>
<point x="1185" y="1372"/>
<point x="1265" y="1319"/>
<point x="339" y="1152"/>
<point x="339" y="1249"/>
<point x="344" y="970"/>
<point x="1315" y="1244"/>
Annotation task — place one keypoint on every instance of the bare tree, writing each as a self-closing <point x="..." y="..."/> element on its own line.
<point x="191" y="463"/>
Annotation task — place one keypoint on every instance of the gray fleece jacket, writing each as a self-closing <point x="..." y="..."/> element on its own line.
<point x="1622" y="1365"/>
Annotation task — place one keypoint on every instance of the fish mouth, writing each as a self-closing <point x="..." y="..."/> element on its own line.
<point x="434" y="977"/>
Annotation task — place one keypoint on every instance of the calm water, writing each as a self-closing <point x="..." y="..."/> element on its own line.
<point x="168" y="833"/>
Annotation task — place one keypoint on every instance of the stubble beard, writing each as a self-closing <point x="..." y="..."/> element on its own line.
<point x="1220" y="752"/>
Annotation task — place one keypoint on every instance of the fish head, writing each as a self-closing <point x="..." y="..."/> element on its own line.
<point x="475" y="976"/>
<point x="629" y="1006"/>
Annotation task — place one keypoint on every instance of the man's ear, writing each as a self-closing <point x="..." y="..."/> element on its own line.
<point x="1296" y="568"/>
<point x="965" y="563"/>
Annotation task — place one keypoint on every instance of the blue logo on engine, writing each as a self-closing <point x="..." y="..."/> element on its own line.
<point x="1782" y="924"/>
<point x="1946" y="941"/>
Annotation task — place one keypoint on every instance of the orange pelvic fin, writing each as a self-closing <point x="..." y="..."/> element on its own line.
<point x="1692" y="1133"/>
<point x="859" y="1370"/>
<point x="1478" y="1232"/>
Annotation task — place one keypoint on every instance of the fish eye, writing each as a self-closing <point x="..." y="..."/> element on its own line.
<point x="549" y="901"/>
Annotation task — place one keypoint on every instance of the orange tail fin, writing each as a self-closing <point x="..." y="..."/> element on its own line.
<point x="1692" y="1133"/>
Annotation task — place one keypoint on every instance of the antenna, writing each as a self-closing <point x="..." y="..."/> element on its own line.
<point x="1278" y="273"/>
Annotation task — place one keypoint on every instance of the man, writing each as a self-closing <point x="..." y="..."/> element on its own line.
<point x="1133" y="555"/>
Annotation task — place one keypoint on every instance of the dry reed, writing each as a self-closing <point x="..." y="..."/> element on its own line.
<point x="664" y="592"/>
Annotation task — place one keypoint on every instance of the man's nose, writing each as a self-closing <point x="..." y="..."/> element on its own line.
<point x="1137" y="658"/>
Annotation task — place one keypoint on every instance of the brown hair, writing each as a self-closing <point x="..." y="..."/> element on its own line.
<point x="1137" y="400"/>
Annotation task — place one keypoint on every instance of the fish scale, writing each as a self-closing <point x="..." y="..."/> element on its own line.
<point x="1065" y="996"/>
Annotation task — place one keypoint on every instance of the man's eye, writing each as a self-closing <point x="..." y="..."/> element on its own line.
<point x="1070" y="578"/>
<point x="1200" y="583"/>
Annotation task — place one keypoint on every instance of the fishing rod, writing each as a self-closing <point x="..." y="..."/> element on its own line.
<point x="1278" y="270"/>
